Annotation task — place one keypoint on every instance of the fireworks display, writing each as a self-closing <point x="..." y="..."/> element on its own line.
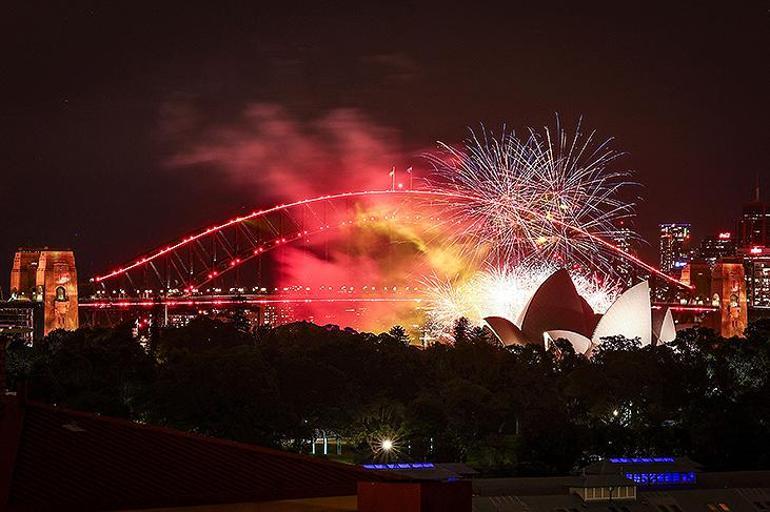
<point x="521" y="208"/>
<point x="497" y="216"/>
<point x="505" y="292"/>
<point x="546" y="197"/>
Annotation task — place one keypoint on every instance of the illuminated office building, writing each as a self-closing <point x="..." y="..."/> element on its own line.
<point x="675" y="248"/>
<point x="753" y="224"/>
<point x="715" y="247"/>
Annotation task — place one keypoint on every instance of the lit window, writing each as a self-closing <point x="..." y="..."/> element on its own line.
<point x="61" y="294"/>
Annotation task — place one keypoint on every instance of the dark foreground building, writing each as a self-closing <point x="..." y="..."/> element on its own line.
<point x="629" y="485"/>
<point x="662" y="484"/>
<point x="58" y="459"/>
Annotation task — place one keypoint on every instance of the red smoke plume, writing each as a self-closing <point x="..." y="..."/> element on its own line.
<point x="285" y="159"/>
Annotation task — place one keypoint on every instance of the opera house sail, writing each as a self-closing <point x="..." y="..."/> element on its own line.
<point x="557" y="311"/>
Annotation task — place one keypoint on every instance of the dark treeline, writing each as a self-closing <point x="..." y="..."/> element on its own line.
<point x="515" y="410"/>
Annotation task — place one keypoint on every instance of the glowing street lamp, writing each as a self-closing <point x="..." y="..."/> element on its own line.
<point x="385" y="447"/>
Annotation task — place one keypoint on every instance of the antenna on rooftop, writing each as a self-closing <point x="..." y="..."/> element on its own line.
<point x="756" y="189"/>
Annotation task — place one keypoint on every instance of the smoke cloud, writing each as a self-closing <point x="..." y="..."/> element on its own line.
<point x="282" y="157"/>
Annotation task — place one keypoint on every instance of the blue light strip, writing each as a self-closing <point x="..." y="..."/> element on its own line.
<point x="664" y="478"/>
<point x="400" y="465"/>
<point x="642" y="460"/>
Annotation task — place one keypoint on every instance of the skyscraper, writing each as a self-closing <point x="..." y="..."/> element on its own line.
<point x="753" y="248"/>
<point x="753" y="224"/>
<point x="756" y="263"/>
<point x="623" y="239"/>
<point x="715" y="247"/>
<point x="675" y="248"/>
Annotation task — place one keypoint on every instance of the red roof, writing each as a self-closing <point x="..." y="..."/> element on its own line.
<point x="72" y="460"/>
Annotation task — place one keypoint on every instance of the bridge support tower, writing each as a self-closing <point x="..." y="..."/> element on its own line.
<point x="48" y="277"/>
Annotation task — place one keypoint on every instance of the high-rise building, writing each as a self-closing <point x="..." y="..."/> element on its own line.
<point x="756" y="262"/>
<point x="675" y="248"/>
<point x="48" y="277"/>
<point x="623" y="238"/>
<point x="715" y="247"/>
<point x="754" y="222"/>
<point x="753" y="245"/>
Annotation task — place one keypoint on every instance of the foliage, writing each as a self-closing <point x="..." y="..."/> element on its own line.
<point x="504" y="410"/>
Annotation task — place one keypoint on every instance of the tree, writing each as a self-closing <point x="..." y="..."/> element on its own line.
<point x="461" y="330"/>
<point x="399" y="334"/>
<point x="99" y="370"/>
<point x="517" y="409"/>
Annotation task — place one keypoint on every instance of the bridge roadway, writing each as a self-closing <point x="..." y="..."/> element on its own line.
<point x="230" y="301"/>
<point x="226" y="301"/>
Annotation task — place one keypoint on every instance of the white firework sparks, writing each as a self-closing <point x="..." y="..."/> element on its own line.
<point x="548" y="197"/>
<point x="505" y="292"/>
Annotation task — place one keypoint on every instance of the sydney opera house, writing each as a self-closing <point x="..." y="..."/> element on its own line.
<point x="557" y="311"/>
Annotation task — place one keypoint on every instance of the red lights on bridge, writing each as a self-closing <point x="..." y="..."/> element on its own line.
<point x="239" y="301"/>
<point x="148" y="259"/>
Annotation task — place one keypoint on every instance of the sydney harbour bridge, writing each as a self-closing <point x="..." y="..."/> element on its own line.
<point x="328" y="259"/>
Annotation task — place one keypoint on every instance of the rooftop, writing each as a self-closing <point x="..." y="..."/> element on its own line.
<point x="74" y="460"/>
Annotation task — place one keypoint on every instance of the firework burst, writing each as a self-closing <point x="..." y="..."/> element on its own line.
<point x="546" y="197"/>
<point x="505" y="291"/>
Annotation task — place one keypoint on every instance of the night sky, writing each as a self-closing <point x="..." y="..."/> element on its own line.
<point x="111" y="112"/>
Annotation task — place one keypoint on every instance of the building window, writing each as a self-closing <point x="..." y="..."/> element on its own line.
<point x="61" y="294"/>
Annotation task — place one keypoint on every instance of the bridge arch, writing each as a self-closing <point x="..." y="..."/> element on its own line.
<point x="206" y="255"/>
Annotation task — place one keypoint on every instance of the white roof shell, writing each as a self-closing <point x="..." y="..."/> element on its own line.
<point x="580" y="343"/>
<point x="629" y="316"/>
<point x="663" y="327"/>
